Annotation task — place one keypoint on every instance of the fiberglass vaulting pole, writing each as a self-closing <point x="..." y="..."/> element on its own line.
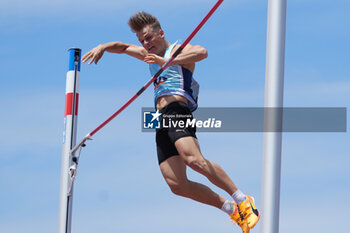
<point x="272" y="141"/>
<point x="69" y="140"/>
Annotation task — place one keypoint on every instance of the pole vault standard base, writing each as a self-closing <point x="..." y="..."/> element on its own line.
<point x="69" y="140"/>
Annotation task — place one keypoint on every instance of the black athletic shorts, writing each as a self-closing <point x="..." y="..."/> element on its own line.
<point x="172" y="116"/>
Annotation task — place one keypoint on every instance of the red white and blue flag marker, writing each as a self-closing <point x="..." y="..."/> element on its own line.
<point x="69" y="139"/>
<point x="69" y="159"/>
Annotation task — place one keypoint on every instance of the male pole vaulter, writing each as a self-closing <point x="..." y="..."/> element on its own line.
<point x="175" y="94"/>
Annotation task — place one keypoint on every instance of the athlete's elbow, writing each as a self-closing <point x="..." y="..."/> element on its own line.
<point x="203" y="53"/>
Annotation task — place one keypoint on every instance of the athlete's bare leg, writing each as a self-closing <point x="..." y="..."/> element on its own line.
<point x="174" y="172"/>
<point x="189" y="151"/>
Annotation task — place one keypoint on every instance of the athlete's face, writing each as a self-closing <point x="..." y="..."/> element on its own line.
<point x="152" y="39"/>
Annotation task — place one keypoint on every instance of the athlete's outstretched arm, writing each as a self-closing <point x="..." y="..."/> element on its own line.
<point x="96" y="53"/>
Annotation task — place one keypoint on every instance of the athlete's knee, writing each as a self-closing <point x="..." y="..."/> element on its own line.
<point x="197" y="163"/>
<point x="178" y="188"/>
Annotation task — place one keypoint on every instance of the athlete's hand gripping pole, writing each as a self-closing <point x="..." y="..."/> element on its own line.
<point x="165" y="66"/>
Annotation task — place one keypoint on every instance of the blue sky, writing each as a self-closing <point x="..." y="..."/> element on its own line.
<point x="119" y="187"/>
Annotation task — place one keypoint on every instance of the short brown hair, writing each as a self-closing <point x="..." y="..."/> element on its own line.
<point x="141" y="19"/>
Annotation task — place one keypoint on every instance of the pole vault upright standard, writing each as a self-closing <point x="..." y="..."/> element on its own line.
<point x="272" y="141"/>
<point x="69" y="139"/>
